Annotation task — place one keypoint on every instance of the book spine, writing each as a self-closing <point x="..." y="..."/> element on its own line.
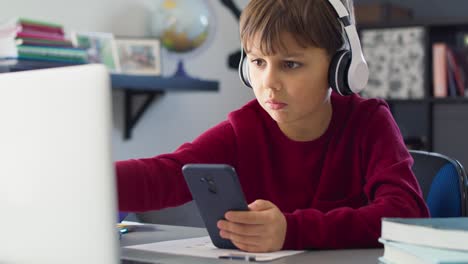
<point x="44" y="36"/>
<point x="46" y="49"/>
<point x="456" y="72"/>
<point x="51" y="59"/>
<point x="38" y="22"/>
<point x="439" y="68"/>
<point x="37" y="32"/>
<point x="71" y="53"/>
<point x="452" y="86"/>
<point x="41" y="28"/>
<point x="41" y="42"/>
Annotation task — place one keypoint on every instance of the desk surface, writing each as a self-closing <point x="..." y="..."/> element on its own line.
<point x="154" y="233"/>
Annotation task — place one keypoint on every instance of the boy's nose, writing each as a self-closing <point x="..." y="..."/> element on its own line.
<point x="271" y="79"/>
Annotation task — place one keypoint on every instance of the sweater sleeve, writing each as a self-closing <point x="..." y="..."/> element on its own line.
<point x="389" y="186"/>
<point x="157" y="182"/>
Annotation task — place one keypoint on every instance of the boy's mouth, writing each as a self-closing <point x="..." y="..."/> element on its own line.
<point x="275" y="105"/>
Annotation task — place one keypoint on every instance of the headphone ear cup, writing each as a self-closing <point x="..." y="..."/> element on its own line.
<point x="244" y="71"/>
<point x="338" y="72"/>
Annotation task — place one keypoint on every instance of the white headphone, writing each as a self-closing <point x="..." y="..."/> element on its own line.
<point x="348" y="72"/>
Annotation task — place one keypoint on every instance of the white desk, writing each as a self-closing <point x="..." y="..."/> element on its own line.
<point x="154" y="233"/>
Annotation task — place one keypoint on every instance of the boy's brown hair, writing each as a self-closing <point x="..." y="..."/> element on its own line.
<point x="311" y="23"/>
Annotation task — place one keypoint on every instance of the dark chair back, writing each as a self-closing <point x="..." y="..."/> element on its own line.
<point x="443" y="181"/>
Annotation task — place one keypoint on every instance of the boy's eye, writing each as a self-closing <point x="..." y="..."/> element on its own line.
<point x="291" y="64"/>
<point x="257" y="62"/>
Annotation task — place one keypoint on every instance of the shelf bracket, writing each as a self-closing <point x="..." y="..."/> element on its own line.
<point x="134" y="111"/>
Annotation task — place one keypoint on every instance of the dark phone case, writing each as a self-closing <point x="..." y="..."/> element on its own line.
<point x="216" y="190"/>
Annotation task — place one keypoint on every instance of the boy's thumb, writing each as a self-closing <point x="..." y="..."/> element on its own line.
<point x="259" y="205"/>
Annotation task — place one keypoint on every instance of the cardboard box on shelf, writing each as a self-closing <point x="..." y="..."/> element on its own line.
<point x="381" y="12"/>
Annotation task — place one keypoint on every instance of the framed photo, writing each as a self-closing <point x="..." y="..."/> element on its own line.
<point x="139" y="56"/>
<point x="396" y="59"/>
<point x="100" y="47"/>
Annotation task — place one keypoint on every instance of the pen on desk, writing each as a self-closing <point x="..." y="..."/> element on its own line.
<point x="238" y="257"/>
<point x="123" y="229"/>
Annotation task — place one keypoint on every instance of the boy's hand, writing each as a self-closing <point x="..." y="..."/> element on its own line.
<point x="262" y="229"/>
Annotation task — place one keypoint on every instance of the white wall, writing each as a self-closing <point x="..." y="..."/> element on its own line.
<point x="176" y="117"/>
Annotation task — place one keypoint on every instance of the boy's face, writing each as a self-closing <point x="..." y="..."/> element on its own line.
<point x="292" y="85"/>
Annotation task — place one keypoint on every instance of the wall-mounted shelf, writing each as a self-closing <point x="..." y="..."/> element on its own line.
<point x="151" y="87"/>
<point x="133" y="86"/>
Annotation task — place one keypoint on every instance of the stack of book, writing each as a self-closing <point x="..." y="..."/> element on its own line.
<point x="37" y="40"/>
<point x="425" y="240"/>
<point x="450" y="69"/>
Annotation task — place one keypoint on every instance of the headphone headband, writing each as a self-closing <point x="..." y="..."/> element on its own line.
<point x="340" y="9"/>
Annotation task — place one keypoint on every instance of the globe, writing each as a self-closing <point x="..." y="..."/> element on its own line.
<point x="181" y="25"/>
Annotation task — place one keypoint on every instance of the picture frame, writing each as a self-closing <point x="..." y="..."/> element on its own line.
<point x="396" y="58"/>
<point x="140" y="56"/>
<point x="100" y="46"/>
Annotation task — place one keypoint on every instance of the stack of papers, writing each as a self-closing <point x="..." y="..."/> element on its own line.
<point x="203" y="247"/>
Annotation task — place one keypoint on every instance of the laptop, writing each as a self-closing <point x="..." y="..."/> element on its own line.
<point x="58" y="195"/>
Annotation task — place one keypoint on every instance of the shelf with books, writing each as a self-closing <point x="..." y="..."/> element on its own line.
<point x="133" y="86"/>
<point x="406" y="57"/>
<point x="402" y="70"/>
<point x="40" y="40"/>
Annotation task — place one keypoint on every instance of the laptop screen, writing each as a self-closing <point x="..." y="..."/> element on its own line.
<point x="58" y="200"/>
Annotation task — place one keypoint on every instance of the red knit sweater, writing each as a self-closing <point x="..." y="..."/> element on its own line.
<point x="333" y="190"/>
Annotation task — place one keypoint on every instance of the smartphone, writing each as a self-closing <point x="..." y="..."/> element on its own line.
<point x="216" y="190"/>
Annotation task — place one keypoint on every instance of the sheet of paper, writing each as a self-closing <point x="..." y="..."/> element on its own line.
<point x="202" y="247"/>
<point x="131" y="223"/>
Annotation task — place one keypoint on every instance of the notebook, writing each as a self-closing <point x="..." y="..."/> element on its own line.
<point x="397" y="252"/>
<point x="57" y="201"/>
<point x="444" y="232"/>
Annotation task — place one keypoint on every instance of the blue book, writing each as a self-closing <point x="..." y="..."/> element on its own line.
<point x="448" y="233"/>
<point x="407" y="253"/>
<point x="451" y="69"/>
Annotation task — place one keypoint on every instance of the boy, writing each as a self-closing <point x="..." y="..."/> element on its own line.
<point x="319" y="170"/>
